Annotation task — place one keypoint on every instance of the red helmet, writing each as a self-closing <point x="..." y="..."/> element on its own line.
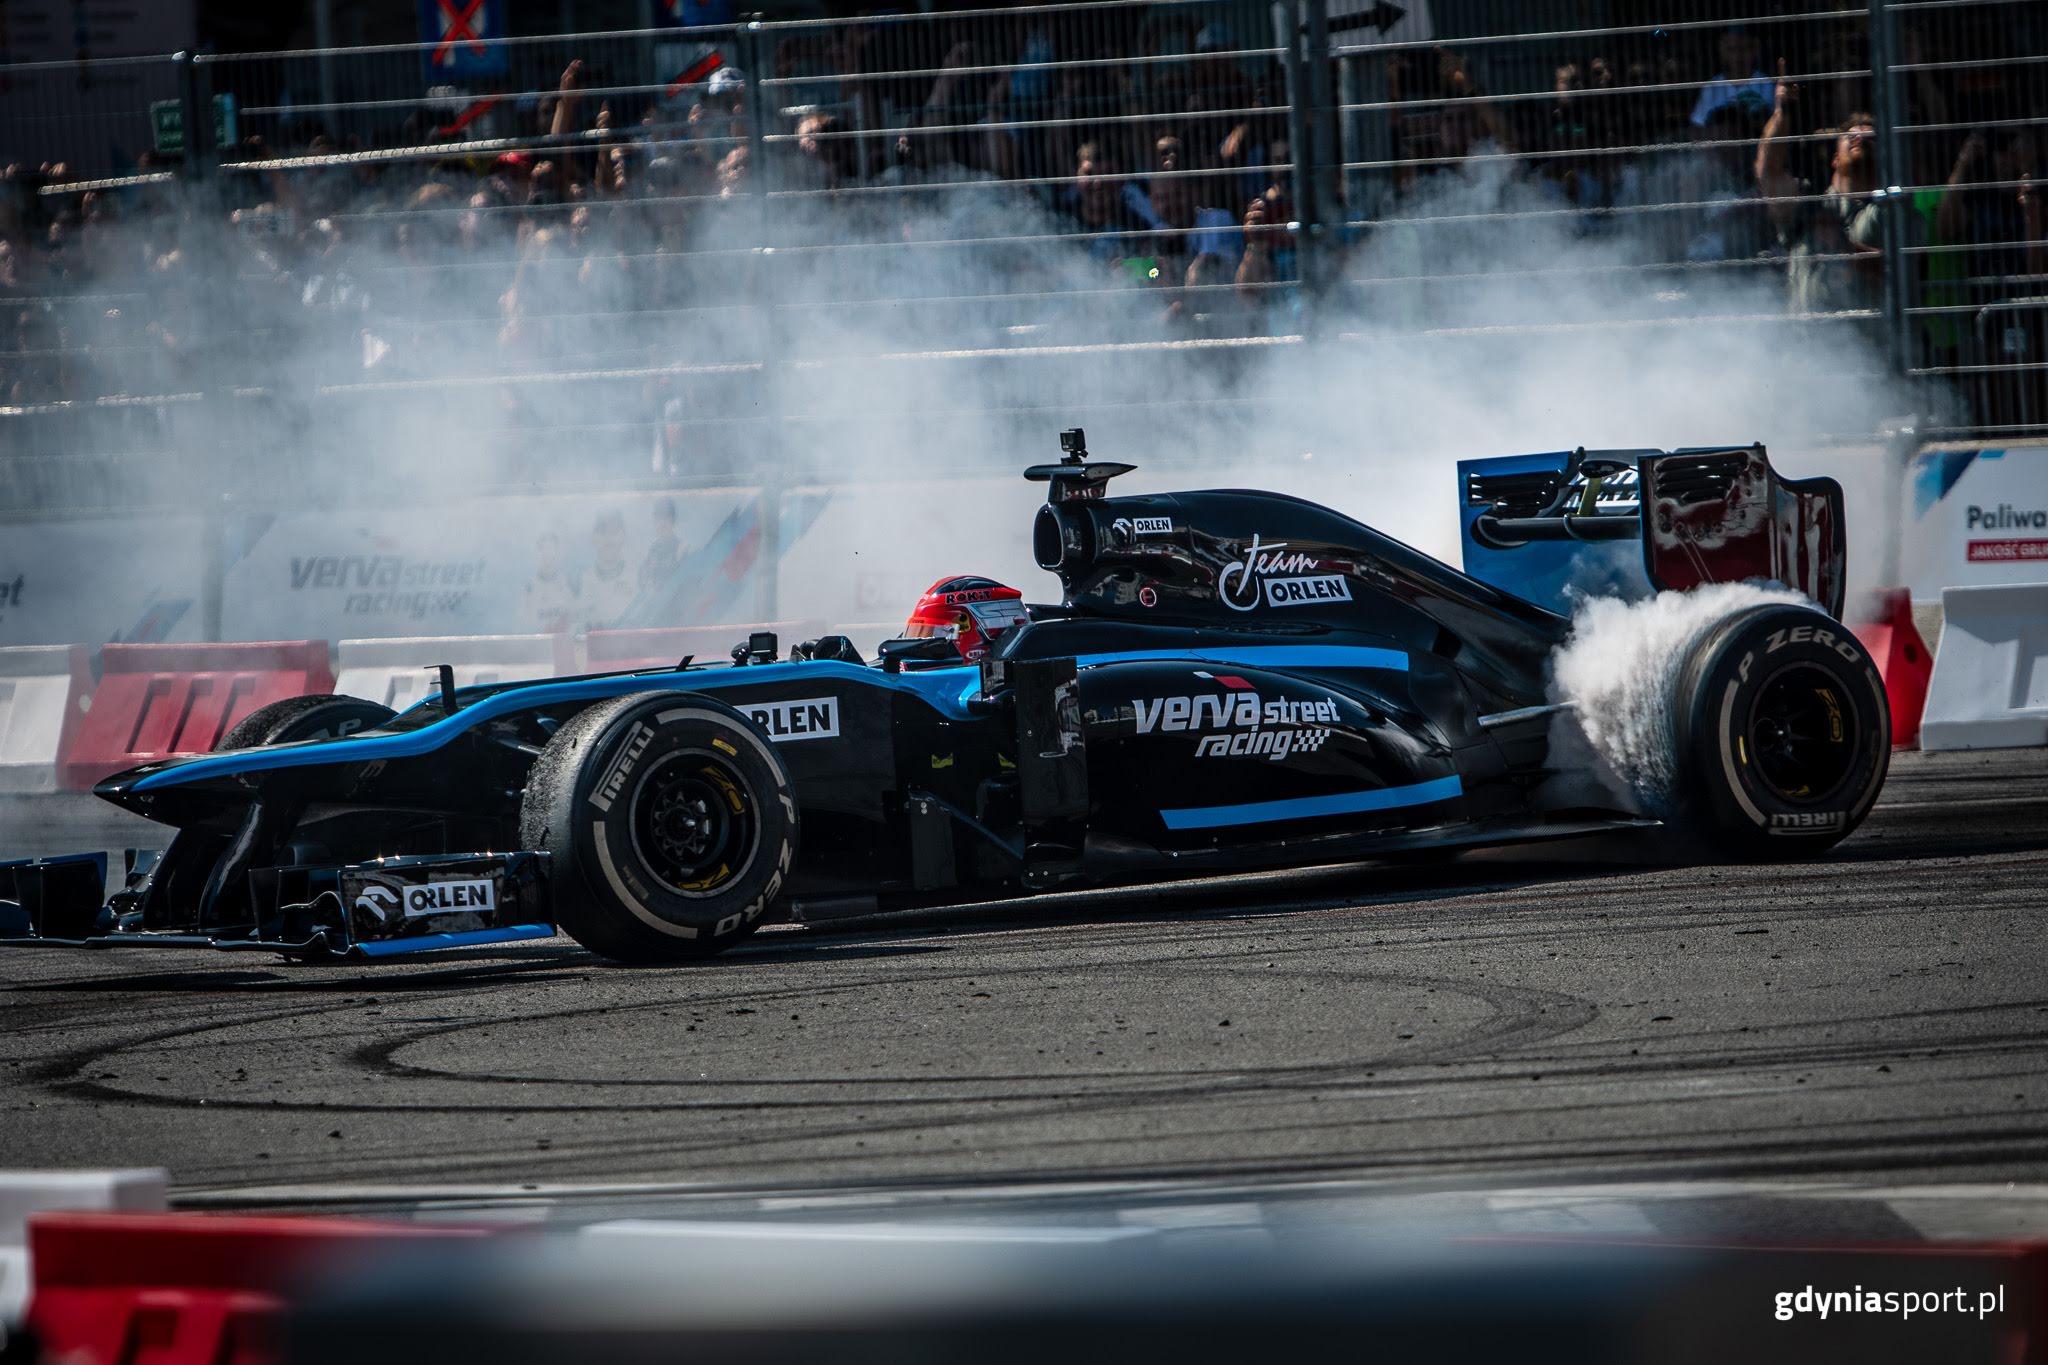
<point x="970" y="611"/>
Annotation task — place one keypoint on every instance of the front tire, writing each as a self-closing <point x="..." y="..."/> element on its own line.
<point x="671" y="822"/>
<point x="181" y="874"/>
<point x="1783" y="733"/>
<point x="296" y="718"/>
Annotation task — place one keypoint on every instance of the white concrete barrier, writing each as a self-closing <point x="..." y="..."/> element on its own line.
<point x="25" y="1192"/>
<point x="43" y="689"/>
<point x="394" y="671"/>
<point x="1990" y="684"/>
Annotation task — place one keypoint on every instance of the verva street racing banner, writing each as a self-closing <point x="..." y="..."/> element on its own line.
<point x="511" y="566"/>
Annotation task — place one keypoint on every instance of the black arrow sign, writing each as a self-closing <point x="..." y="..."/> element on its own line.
<point x="1381" y="16"/>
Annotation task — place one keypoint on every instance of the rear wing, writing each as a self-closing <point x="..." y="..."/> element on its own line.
<point x="1553" y="526"/>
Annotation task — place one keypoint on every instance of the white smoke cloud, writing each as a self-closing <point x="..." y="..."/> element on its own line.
<point x="431" y="373"/>
<point x="1620" y="669"/>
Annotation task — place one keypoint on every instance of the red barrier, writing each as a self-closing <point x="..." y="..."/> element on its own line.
<point x="614" y="651"/>
<point x="167" y="1289"/>
<point x="1903" y="660"/>
<point x="155" y="701"/>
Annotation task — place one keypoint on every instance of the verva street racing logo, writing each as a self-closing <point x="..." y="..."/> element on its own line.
<point x="1245" y="724"/>
<point x="1271" y="575"/>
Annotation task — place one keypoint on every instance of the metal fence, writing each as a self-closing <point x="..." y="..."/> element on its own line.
<point x="678" y="254"/>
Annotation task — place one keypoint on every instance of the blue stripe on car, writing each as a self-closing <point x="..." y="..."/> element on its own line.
<point x="1309" y="807"/>
<point x="1268" y="656"/>
<point x="419" y="943"/>
<point x="947" y="689"/>
<point x="949" y="695"/>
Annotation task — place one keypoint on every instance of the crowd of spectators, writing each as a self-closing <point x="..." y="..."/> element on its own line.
<point x="1003" y="171"/>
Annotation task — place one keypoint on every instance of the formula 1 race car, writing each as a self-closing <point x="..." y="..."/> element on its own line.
<point x="1233" y="680"/>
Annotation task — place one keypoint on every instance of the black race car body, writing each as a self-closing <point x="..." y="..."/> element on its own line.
<point x="1233" y="680"/>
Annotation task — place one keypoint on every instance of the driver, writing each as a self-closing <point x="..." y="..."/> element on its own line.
<point x="970" y="611"/>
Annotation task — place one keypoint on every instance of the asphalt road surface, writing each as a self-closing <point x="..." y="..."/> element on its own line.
<point x="1880" y="1014"/>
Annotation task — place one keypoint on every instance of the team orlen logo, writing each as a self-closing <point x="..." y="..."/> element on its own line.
<point x="789" y="721"/>
<point x="1245" y="725"/>
<point x="468" y="897"/>
<point x="1274" y="576"/>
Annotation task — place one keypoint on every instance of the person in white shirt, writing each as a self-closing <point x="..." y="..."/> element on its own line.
<point x="550" y="594"/>
<point x="607" y="587"/>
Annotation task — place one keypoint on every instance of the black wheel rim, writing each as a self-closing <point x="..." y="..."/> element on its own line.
<point x="694" y="823"/>
<point x="1802" y="734"/>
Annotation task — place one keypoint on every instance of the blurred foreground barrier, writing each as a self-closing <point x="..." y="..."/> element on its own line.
<point x="190" y="1289"/>
<point x="43" y="691"/>
<point x="766" y="1294"/>
<point x="27" y="1192"/>
<point x="155" y="701"/>
<point x="615" y="651"/>
<point x="394" y="671"/>
<point x="1903" y="660"/>
<point x="1990" y="684"/>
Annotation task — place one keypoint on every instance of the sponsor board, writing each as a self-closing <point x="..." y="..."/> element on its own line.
<point x="789" y="721"/>
<point x="1237" y="722"/>
<point x="1275" y="576"/>
<point x="1975" y="517"/>
<point x="91" y="580"/>
<point x="491" y="566"/>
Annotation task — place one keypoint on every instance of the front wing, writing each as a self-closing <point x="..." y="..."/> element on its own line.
<point x="384" y="908"/>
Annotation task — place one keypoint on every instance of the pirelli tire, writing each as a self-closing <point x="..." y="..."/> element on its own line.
<point x="1783" y="733"/>
<point x="296" y="718"/>
<point x="671" y="824"/>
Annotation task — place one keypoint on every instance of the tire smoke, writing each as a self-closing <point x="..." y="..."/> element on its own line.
<point x="1620" y="667"/>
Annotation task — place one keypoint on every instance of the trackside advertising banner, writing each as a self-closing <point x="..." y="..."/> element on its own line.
<point x="1975" y="517"/>
<point x="864" y="553"/>
<point x="494" y="566"/>
<point x="94" y="580"/>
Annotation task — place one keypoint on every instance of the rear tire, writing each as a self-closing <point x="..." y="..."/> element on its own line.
<point x="296" y="718"/>
<point x="671" y="823"/>
<point x="1783" y="733"/>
